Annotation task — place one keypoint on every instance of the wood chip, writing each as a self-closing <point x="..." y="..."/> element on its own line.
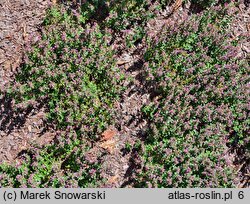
<point x="108" y="145"/>
<point x="29" y="128"/>
<point x="121" y="62"/>
<point x="113" y="179"/>
<point x="54" y="2"/>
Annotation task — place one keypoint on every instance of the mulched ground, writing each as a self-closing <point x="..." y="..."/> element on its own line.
<point x="20" y="128"/>
<point x="19" y="24"/>
<point x="241" y="27"/>
<point x="131" y="123"/>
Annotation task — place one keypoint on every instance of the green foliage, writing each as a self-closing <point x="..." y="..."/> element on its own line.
<point x="199" y="81"/>
<point x="62" y="164"/>
<point x="208" y="3"/>
<point x="200" y="109"/>
<point x="73" y="71"/>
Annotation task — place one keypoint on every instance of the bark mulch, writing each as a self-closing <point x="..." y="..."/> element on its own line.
<point x="19" y="24"/>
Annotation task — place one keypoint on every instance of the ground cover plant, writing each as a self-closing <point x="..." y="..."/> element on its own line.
<point x="198" y="87"/>
<point x="200" y="108"/>
<point x="62" y="164"/>
<point x="72" y="72"/>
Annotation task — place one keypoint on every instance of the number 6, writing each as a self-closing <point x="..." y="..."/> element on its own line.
<point x="241" y="195"/>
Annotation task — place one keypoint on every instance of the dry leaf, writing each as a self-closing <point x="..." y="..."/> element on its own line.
<point x="108" y="134"/>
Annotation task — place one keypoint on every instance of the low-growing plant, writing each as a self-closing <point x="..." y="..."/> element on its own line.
<point x="125" y="14"/>
<point x="62" y="164"/>
<point x="200" y="109"/>
<point x="72" y="70"/>
<point x="208" y="3"/>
